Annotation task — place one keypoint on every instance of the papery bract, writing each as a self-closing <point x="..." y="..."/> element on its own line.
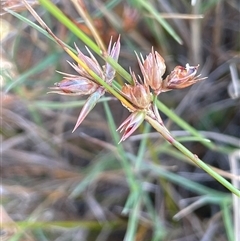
<point x="75" y="85"/>
<point x="91" y="63"/>
<point x="113" y="52"/>
<point x="139" y="94"/>
<point x="89" y="105"/>
<point x="181" y="77"/>
<point x="153" y="68"/>
<point x="131" y="124"/>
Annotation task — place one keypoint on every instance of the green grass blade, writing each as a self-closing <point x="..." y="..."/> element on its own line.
<point x="184" y="125"/>
<point x="227" y="221"/>
<point x="56" y="12"/>
<point x="134" y="185"/>
<point x="188" y="184"/>
<point x="147" y="5"/>
<point x="57" y="105"/>
<point x="142" y="148"/>
<point x="121" y="153"/>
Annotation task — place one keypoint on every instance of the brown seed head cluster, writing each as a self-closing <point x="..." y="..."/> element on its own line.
<point x="84" y="83"/>
<point x="139" y="94"/>
<point x="181" y="77"/>
<point x="153" y="69"/>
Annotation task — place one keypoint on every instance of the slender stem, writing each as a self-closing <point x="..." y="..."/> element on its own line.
<point x="56" y="12"/>
<point x="163" y="22"/>
<point x="75" y="57"/>
<point x="226" y="212"/>
<point x="80" y="7"/>
<point x="183" y="124"/>
<point x="100" y="81"/>
<point x="194" y="158"/>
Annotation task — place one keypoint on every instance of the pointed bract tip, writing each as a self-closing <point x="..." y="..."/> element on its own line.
<point x="131" y="124"/>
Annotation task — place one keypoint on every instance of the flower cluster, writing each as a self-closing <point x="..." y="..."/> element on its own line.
<point x="153" y="69"/>
<point x="140" y="93"/>
<point x="84" y="83"/>
<point x="181" y="78"/>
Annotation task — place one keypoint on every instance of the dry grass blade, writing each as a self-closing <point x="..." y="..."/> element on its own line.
<point x="43" y="24"/>
<point x="81" y="8"/>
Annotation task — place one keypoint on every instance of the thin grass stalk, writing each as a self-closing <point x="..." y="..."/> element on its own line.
<point x="56" y="12"/>
<point x="75" y="57"/>
<point x="133" y="219"/>
<point x="121" y="154"/>
<point x="142" y="148"/>
<point x="180" y="122"/>
<point x="134" y="185"/>
<point x="147" y="5"/>
<point x="195" y="26"/>
<point x="88" y="20"/>
<point x="194" y="158"/>
<point x="226" y="216"/>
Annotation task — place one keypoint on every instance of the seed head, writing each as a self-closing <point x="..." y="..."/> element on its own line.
<point x="113" y="52"/>
<point x="153" y="68"/>
<point x="131" y="124"/>
<point x="91" y="62"/>
<point x="181" y="78"/>
<point x="85" y="84"/>
<point x="74" y="85"/>
<point x="139" y="94"/>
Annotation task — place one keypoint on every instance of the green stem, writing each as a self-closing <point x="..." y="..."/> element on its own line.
<point x="226" y="216"/>
<point x="194" y="158"/>
<point x="163" y="22"/>
<point x="56" y="12"/>
<point x="99" y="80"/>
<point x="183" y="124"/>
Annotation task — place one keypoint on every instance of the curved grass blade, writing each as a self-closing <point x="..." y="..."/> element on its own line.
<point x="147" y="5"/>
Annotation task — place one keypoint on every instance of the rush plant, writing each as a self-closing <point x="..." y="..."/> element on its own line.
<point x="139" y="95"/>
